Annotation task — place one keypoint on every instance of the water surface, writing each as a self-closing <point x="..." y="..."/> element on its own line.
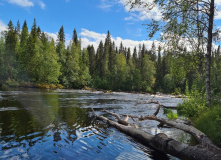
<point x="43" y="124"/>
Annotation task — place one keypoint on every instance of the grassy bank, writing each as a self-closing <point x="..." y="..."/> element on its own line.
<point x="206" y="119"/>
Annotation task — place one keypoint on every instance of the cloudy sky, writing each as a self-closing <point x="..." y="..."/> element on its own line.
<point x="91" y="18"/>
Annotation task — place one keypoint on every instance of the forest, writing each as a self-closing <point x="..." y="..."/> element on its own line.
<point x="184" y="60"/>
<point x="34" y="58"/>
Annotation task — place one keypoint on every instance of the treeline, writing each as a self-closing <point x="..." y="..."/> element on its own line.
<point x="33" y="57"/>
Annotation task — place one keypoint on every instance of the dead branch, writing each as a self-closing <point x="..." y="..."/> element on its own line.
<point x="121" y="121"/>
<point x="167" y="145"/>
<point x="158" y="109"/>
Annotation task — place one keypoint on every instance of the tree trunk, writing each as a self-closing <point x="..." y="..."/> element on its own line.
<point x="167" y="145"/>
<point x="208" y="54"/>
<point x="205" y="150"/>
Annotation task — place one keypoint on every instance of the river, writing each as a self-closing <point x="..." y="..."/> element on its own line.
<point x="44" y="124"/>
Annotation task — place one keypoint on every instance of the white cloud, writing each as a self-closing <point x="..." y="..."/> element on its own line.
<point x="3" y="26"/>
<point x="22" y="3"/>
<point x="218" y="15"/>
<point x="41" y="4"/>
<point x="218" y="6"/>
<point x="141" y="12"/>
<point x="28" y="3"/>
<point x="93" y="38"/>
<point x="52" y="35"/>
<point x="107" y="4"/>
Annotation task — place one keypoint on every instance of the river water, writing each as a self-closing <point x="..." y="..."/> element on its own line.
<point x="43" y="124"/>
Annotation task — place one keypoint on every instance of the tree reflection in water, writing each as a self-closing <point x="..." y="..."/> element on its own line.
<point x="37" y="124"/>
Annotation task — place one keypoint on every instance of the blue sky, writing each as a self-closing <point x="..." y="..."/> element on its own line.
<point x="91" y="18"/>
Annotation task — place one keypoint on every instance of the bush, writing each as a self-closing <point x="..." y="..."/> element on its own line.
<point x="176" y="91"/>
<point x="44" y="86"/>
<point x="52" y="86"/>
<point x="59" y="86"/>
<point x="193" y="106"/>
<point x="25" y="84"/>
<point x="210" y="123"/>
<point x="170" y="114"/>
<point x="12" y="82"/>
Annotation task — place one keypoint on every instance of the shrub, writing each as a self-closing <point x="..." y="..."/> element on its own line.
<point x="209" y="122"/>
<point x="59" y="86"/>
<point x="44" y="86"/>
<point x="52" y="86"/>
<point x="25" y="84"/>
<point x="176" y="91"/>
<point x="170" y="114"/>
<point x="12" y="82"/>
<point x="192" y="106"/>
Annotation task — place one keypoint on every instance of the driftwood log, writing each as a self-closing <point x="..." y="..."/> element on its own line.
<point x="204" y="150"/>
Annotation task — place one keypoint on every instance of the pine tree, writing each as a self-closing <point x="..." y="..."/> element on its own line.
<point x="121" y="49"/>
<point x="33" y="53"/>
<point x="34" y="31"/>
<point x="23" y="57"/>
<point x="11" y="42"/>
<point x="2" y="61"/>
<point x="18" y="29"/>
<point x="128" y="55"/>
<point x="61" y="35"/>
<point x="39" y="32"/>
<point x="84" y="76"/>
<point x="62" y="55"/>
<point x="92" y="63"/>
<point x="153" y="52"/>
<point x="99" y="57"/>
<point x="105" y="62"/>
<point x="75" y="37"/>
<point x="159" y="76"/>
<point x="71" y="78"/>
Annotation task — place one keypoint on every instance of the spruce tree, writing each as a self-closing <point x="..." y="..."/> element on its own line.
<point x="128" y="55"/>
<point x="61" y="35"/>
<point x="92" y="62"/>
<point x="18" y="29"/>
<point x="23" y="54"/>
<point x="75" y="37"/>
<point x="11" y="42"/>
<point x="99" y="57"/>
<point x="153" y="52"/>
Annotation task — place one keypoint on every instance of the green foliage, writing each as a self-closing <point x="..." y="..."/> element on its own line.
<point x="35" y="58"/>
<point x="12" y="82"/>
<point x="168" y="83"/>
<point x="148" y="71"/>
<point x="59" y="86"/>
<point x="170" y="114"/>
<point x="192" y="106"/>
<point x="209" y="122"/>
<point x="84" y="76"/>
<point x="176" y="91"/>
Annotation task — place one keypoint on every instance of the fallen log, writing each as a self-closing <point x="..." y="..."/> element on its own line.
<point x="205" y="150"/>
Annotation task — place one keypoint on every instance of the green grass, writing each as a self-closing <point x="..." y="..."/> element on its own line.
<point x="210" y="123"/>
